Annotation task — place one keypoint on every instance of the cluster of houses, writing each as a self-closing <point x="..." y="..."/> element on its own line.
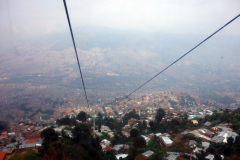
<point x="26" y="136"/>
<point x="121" y="149"/>
<point x="20" y="137"/>
<point x="222" y="132"/>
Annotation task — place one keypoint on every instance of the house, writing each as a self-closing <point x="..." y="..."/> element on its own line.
<point x="131" y="121"/>
<point x="2" y="155"/>
<point x="20" y="139"/>
<point x="121" y="155"/>
<point x="117" y="148"/>
<point x="158" y="135"/>
<point x="17" y="128"/>
<point x="167" y="142"/>
<point x="10" y="147"/>
<point x="3" y="135"/>
<point x="144" y="155"/>
<point x="209" y="157"/>
<point x="31" y="127"/>
<point x="106" y="145"/>
<point x="31" y="143"/>
<point x="194" y="122"/>
<point x="59" y="129"/>
<point x="205" y="145"/>
<point x="111" y="134"/>
<point x="197" y="150"/>
<point x="148" y="154"/>
<point x="150" y="135"/>
<point x="105" y="129"/>
<point x="172" y="156"/>
<point x="126" y="133"/>
<point x="147" y="139"/>
<point x="11" y="134"/>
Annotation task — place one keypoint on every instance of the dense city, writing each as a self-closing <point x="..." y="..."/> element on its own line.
<point x="165" y="125"/>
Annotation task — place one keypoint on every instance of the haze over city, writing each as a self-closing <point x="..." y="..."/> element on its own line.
<point x="120" y="46"/>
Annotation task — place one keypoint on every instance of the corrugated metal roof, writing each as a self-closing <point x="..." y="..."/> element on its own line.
<point x="148" y="153"/>
<point x="167" y="140"/>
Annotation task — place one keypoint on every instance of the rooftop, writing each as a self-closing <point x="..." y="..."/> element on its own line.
<point x="167" y="140"/>
<point x="148" y="153"/>
<point x="2" y="155"/>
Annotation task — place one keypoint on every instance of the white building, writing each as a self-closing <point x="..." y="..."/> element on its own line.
<point x="118" y="156"/>
<point x="167" y="142"/>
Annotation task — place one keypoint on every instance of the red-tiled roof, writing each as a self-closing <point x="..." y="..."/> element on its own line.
<point x="32" y="141"/>
<point x="3" y="136"/>
<point x="108" y="148"/>
<point x="35" y="136"/>
<point x="31" y="127"/>
<point x="4" y="133"/>
<point x="17" y="128"/>
<point x="2" y="155"/>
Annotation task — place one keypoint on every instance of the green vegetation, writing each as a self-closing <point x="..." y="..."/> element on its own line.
<point x="66" y="121"/>
<point x="160" y="114"/>
<point x="82" y="116"/>
<point x="32" y="156"/>
<point x="134" y="132"/>
<point x="81" y="134"/>
<point x="25" y="154"/>
<point x="49" y="134"/>
<point x="82" y="146"/>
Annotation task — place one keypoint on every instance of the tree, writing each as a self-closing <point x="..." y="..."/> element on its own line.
<point x="82" y="116"/>
<point x="211" y="149"/>
<point x="64" y="121"/>
<point x="230" y="141"/>
<point x="159" y="155"/>
<point x="152" y="125"/>
<point x="130" y="115"/>
<point x="176" y="121"/>
<point x="49" y="134"/>
<point x="99" y="127"/>
<point x="139" y="142"/>
<point x="200" y="156"/>
<point x="237" y="140"/>
<point x="13" y="140"/>
<point x="134" y="132"/>
<point x="217" y="157"/>
<point x="144" y="124"/>
<point x="160" y="114"/>
<point x="106" y="121"/>
<point x="81" y="133"/>
<point x="99" y="115"/>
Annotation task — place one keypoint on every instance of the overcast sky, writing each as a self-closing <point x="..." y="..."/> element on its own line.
<point x="23" y="18"/>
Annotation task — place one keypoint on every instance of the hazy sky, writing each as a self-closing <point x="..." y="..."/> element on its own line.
<point x="38" y="17"/>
